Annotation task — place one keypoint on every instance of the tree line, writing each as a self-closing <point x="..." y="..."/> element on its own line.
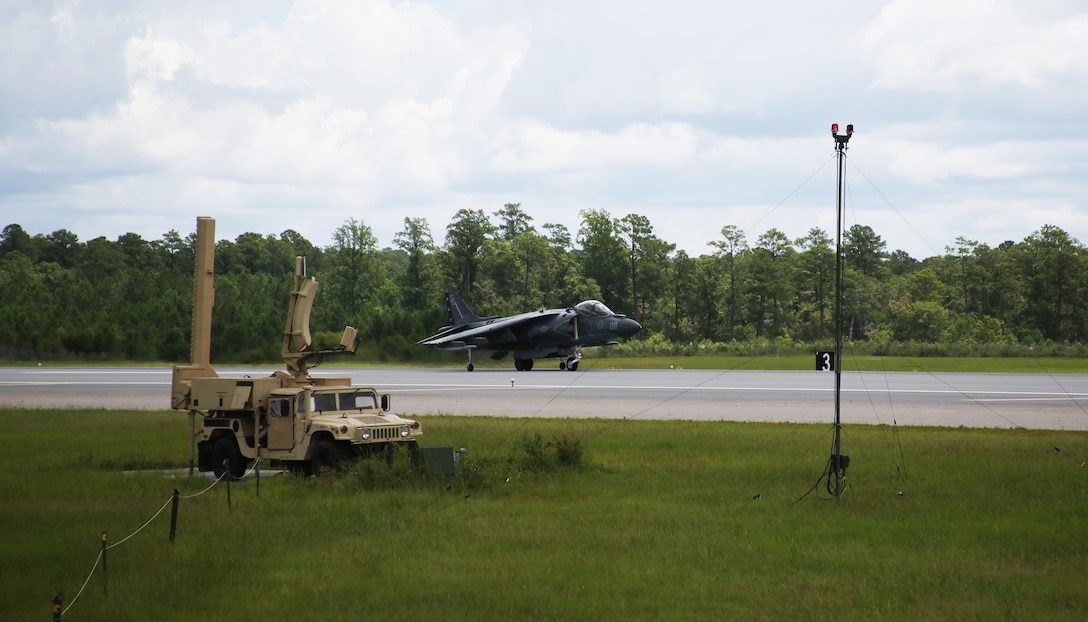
<point x="131" y="298"/>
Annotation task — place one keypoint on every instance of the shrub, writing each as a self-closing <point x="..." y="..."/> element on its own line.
<point x="385" y="471"/>
<point x="569" y="451"/>
<point x="531" y="453"/>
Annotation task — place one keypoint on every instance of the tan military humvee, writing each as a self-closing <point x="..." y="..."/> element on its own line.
<point x="308" y="423"/>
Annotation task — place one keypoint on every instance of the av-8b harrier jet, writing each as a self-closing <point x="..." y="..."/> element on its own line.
<point x="549" y="333"/>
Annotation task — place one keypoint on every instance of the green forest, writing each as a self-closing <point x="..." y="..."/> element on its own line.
<point x="130" y="298"/>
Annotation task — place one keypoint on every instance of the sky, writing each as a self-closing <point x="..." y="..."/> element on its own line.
<point x="970" y="116"/>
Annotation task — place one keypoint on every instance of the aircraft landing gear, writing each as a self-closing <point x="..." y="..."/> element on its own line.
<point x="470" y="366"/>
<point x="571" y="363"/>
<point x="523" y="364"/>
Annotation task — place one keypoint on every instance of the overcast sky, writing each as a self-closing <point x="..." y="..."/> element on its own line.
<point x="971" y="116"/>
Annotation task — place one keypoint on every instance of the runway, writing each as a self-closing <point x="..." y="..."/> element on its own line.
<point x="1036" y="401"/>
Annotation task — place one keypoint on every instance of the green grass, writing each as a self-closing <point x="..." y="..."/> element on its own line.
<point x="662" y="521"/>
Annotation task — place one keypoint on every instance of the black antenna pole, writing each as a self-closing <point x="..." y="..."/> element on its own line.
<point x="837" y="467"/>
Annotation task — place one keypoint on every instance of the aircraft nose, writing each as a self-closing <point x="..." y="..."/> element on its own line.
<point x="629" y="327"/>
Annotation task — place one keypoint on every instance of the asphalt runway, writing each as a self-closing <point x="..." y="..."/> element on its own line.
<point x="1035" y="401"/>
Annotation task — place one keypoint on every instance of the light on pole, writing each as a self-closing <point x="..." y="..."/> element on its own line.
<point x="836" y="478"/>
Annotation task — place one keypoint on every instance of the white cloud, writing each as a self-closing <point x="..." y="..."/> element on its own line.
<point x="64" y="21"/>
<point x="696" y="114"/>
<point x="945" y="45"/>
<point x="341" y="103"/>
<point x="153" y="59"/>
<point x="931" y="162"/>
<point x="531" y="146"/>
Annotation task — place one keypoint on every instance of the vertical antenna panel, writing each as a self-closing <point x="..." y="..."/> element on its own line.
<point x="203" y="293"/>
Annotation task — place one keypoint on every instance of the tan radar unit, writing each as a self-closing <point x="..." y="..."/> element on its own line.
<point x="309" y="424"/>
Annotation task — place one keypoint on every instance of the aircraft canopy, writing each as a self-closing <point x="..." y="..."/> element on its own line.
<point x="593" y="308"/>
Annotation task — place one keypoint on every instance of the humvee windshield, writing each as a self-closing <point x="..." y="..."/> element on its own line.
<point x="357" y="400"/>
<point x="320" y="402"/>
<point x="349" y="400"/>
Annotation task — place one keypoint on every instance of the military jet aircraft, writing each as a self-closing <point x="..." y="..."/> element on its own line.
<point x="550" y="333"/>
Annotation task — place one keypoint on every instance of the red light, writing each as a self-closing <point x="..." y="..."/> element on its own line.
<point x="835" y="128"/>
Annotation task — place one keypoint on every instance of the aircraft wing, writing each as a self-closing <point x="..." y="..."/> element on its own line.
<point x="495" y="331"/>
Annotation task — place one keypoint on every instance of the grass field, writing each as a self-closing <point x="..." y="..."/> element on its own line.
<point x="660" y="521"/>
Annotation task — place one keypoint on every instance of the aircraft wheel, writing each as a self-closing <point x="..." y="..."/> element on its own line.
<point x="470" y="367"/>
<point x="573" y="366"/>
<point x="562" y="364"/>
<point x="528" y="364"/>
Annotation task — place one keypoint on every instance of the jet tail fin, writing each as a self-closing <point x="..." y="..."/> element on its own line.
<point x="460" y="314"/>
